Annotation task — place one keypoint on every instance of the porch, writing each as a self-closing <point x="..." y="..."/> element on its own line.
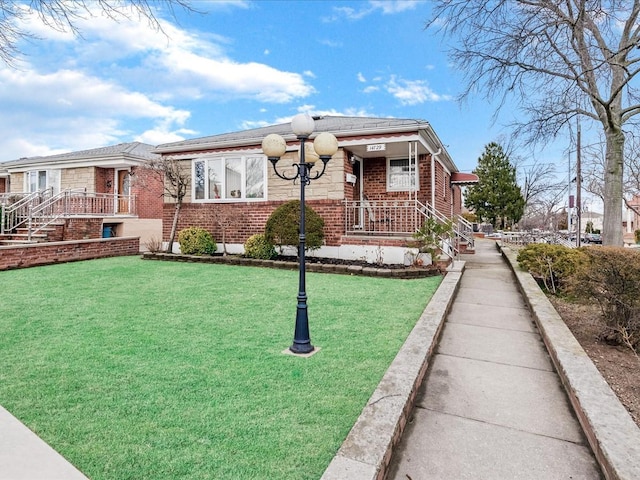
<point x="27" y="216"/>
<point x="394" y="222"/>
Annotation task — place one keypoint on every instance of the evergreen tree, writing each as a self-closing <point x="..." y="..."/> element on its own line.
<point x="496" y="198"/>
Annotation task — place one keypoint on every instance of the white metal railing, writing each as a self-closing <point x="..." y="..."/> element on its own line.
<point x="525" y="238"/>
<point x="78" y="202"/>
<point x="16" y="208"/>
<point x="36" y="211"/>
<point x="381" y="217"/>
<point x="402" y="218"/>
<point x="449" y="244"/>
<point x="465" y="230"/>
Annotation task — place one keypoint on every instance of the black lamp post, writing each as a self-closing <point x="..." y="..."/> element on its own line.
<point x="323" y="147"/>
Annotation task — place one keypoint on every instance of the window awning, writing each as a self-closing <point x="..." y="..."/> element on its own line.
<point x="459" y="178"/>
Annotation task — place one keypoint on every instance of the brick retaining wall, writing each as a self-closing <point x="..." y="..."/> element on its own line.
<point x="58" y="252"/>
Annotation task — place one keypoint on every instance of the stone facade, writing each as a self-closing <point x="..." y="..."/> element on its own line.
<point x="83" y="177"/>
<point x="17" y="183"/>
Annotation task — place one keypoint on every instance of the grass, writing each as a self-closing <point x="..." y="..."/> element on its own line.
<point x="137" y="369"/>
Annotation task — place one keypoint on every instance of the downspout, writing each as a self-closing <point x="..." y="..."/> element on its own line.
<point x="433" y="174"/>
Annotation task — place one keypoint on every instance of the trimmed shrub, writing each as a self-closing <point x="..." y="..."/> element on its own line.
<point x="196" y="241"/>
<point x="283" y="226"/>
<point x="257" y="246"/>
<point x="611" y="276"/>
<point x="551" y="265"/>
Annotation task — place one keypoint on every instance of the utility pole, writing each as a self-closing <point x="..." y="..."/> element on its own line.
<point x="578" y="187"/>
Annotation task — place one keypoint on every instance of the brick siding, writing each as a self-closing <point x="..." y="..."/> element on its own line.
<point x="148" y="188"/>
<point x="58" y="252"/>
<point x="248" y="218"/>
<point x="82" y="228"/>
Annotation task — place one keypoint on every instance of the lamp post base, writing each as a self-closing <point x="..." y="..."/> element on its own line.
<point x="287" y="351"/>
<point x="301" y="348"/>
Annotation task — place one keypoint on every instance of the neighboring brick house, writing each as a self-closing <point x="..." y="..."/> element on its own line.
<point x="108" y="187"/>
<point x="386" y="175"/>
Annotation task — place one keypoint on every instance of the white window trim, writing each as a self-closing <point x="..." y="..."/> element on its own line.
<point x="416" y="186"/>
<point x="243" y="180"/>
<point x="56" y="186"/>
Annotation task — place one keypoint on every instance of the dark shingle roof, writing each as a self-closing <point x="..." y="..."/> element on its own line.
<point x="338" y="125"/>
<point x="133" y="150"/>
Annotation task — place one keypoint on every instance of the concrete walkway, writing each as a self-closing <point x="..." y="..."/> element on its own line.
<point x="491" y="405"/>
<point x="24" y="456"/>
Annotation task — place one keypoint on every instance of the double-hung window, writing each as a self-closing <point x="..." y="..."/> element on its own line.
<point x="38" y="180"/>
<point x="402" y="175"/>
<point x="230" y="178"/>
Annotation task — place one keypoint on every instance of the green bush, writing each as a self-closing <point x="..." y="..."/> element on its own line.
<point x="551" y="265"/>
<point x="196" y="241"/>
<point x="257" y="246"/>
<point x="611" y="276"/>
<point x="283" y="226"/>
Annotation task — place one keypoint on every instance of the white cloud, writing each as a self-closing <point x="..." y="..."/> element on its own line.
<point x="331" y="43"/>
<point x="387" y="7"/>
<point x="413" y="92"/>
<point x="371" y="89"/>
<point x="361" y="77"/>
<point x="159" y="135"/>
<point x="173" y="55"/>
<point x="68" y="110"/>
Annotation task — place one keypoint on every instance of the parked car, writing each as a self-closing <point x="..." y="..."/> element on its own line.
<point x="593" y="238"/>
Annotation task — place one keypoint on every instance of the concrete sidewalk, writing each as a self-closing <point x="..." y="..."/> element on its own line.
<point x="491" y="405"/>
<point x="24" y="456"/>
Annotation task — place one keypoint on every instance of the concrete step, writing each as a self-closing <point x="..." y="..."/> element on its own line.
<point x="18" y="242"/>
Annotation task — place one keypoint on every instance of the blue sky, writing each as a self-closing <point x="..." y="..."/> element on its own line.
<point x="240" y="64"/>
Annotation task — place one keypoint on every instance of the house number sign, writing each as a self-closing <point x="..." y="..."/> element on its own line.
<point x="376" y="147"/>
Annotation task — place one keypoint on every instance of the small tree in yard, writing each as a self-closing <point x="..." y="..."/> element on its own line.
<point x="175" y="176"/>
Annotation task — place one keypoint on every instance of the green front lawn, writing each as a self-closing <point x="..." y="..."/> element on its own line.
<point x="139" y="369"/>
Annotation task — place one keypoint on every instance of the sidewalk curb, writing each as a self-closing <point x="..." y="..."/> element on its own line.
<point x="366" y="452"/>
<point x="612" y="434"/>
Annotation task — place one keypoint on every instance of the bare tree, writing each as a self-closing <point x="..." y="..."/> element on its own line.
<point x="175" y="176"/>
<point x="542" y="192"/>
<point x="64" y="15"/>
<point x="538" y="180"/>
<point x="594" y="167"/>
<point x="559" y="59"/>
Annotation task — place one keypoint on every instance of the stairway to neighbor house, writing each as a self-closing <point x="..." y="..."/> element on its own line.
<point x="53" y="232"/>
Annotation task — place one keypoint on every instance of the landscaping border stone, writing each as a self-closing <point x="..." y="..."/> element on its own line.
<point x="372" y="271"/>
<point x="611" y="432"/>
<point x="366" y="452"/>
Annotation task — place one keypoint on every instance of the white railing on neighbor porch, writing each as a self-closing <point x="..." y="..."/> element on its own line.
<point x="16" y="207"/>
<point x="38" y="210"/>
<point x="80" y="202"/>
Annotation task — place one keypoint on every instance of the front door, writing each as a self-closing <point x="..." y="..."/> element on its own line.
<point x="123" y="191"/>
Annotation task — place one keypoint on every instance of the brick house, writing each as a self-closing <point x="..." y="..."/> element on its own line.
<point x="386" y="178"/>
<point x="88" y="194"/>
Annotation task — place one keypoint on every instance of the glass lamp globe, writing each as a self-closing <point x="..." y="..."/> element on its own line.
<point x="302" y="125"/>
<point x="274" y="145"/>
<point x="310" y="155"/>
<point x="325" y="144"/>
